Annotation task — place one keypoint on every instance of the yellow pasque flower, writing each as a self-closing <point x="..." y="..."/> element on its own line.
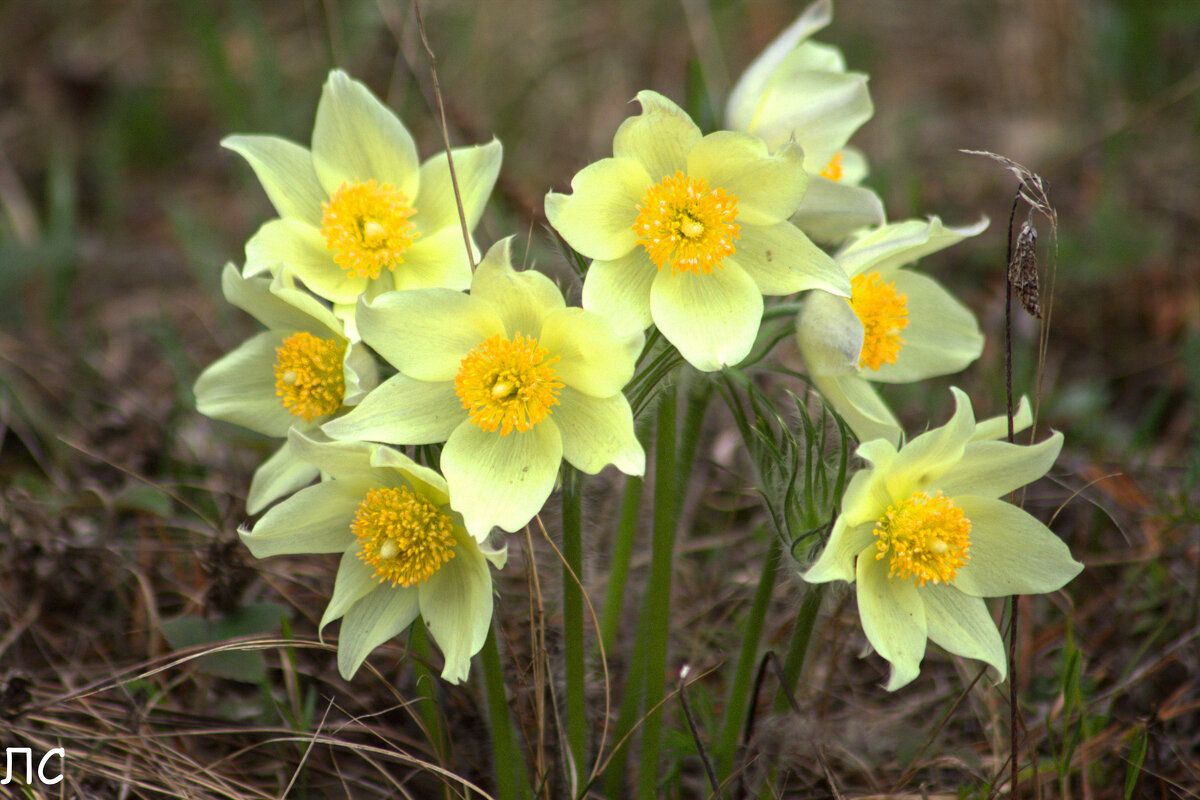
<point x="800" y="90"/>
<point x="898" y="326"/>
<point x="509" y="378"/>
<point x="924" y="536"/>
<point x="298" y="373"/>
<point x="358" y="213"/>
<point x="404" y="551"/>
<point x="689" y="232"/>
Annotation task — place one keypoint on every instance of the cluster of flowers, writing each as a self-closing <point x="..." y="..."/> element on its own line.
<point x="369" y="260"/>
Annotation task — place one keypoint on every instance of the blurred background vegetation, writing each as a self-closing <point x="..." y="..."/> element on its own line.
<point x="118" y="208"/>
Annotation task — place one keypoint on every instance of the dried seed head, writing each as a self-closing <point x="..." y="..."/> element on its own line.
<point x="1022" y="270"/>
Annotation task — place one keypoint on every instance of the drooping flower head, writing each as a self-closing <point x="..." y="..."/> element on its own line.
<point x="799" y="90"/>
<point x="298" y="373"/>
<point x="898" y="326"/>
<point x="689" y="232"/>
<point x="405" y="552"/>
<point x="924" y="535"/>
<point x="358" y="213"/>
<point x="509" y="378"/>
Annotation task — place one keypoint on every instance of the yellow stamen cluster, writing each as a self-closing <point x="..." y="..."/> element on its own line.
<point x="833" y="170"/>
<point x="883" y="313"/>
<point x="507" y="384"/>
<point x="682" y="222"/>
<point x="367" y="227"/>
<point x="402" y="535"/>
<point x="309" y="379"/>
<point x="925" y="537"/>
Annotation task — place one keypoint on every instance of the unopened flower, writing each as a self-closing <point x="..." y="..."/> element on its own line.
<point x="799" y="90"/>
<point x="898" y="326"/>
<point x="405" y="552"/>
<point x="689" y="232"/>
<point x="359" y="213"/>
<point x="298" y="373"/>
<point x="924" y="535"/>
<point x="509" y="378"/>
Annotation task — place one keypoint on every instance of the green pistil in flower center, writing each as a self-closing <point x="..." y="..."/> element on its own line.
<point x="367" y="227"/>
<point x="883" y="313"/>
<point x="309" y="379"/>
<point x="924" y="537"/>
<point x="682" y="223"/>
<point x="402" y="535"/>
<point x="507" y="384"/>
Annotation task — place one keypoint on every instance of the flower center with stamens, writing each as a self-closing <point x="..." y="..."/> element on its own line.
<point x="402" y="535"/>
<point x="833" y="170"/>
<point x="924" y="537"/>
<point x="309" y="379"/>
<point x="367" y="227"/>
<point x="507" y="384"/>
<point x="682" y="222"/>
<point x="883" y="313"/>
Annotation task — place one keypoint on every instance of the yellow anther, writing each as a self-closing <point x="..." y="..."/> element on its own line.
<point x="682" y="223"/>
<point x="507" y="384"/>
<point x="367" y="227"/>
<point x="402" y="535"/>
<point x="309" y="377"/>
<point x="924" y="537"/>
<point x="883" y="314"/>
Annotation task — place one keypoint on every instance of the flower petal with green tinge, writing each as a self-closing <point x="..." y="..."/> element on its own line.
<point x="962" y="625"/>
<point x="900" y="243"/>
<point x="313" y="520"/>
<point x="279" y="305"/>
<point x="857" y="402"/>
<point x="402" y="411"/>
<point x="846" y="543"/>
<point x="830" y="335"/>
<point x="832" y="210"/>
<point x="300" y="248"/>
<point x="357" y="138"/>
<point x="782" y="260"/>
<point x="1011" y="552"/>
<point x="522" y="299"/>
<point x="475" y="168"/>
<point x="893" y="618"/>
<point x="426" y="334"/>
<point x="593" y="358"/>
<point x="373" y="620"/>
<point x="338" y="460"/>
<point x="931" y="455"/>
<point x="409" y="474"/>
<point x="747" y="94"/>
<point x="941" y="337"/>
<point x="711" y="319"/>
<point x="240" y="387"/>
<point x="280" y="475"/>
<point x="768" y="187"/>
<point x="821" y="109"/>
<point x="659" y="138"/>
<point x="597" y="431"/>
<point x="997" y="427"/>
<point x="501" y="480"/>
<point x="355" y="580"/>
<point x="435" y="261"/>
<point x="620" y="290"/>
<point x="993" y="469"/>
<point x="285" y="170"/>
<point x="456" y="604"/>
<point x="597" y="217"/>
